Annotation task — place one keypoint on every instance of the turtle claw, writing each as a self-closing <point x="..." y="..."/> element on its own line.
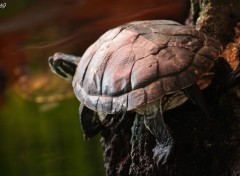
<point x="162" y="153"/>
<point x="154" y="122"/>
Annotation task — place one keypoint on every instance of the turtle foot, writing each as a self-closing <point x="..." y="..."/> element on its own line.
<point x="162" y="152"/>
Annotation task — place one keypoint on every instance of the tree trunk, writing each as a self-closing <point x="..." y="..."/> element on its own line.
<point x="204" y="146"/>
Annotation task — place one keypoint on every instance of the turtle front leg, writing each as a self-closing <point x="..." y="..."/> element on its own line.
<point x="154" y="121"/>
<point x="90" y="122"/>
<point x="194" y="93"/>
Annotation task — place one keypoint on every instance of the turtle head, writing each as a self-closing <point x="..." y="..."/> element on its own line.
<point x="63" y="65"/>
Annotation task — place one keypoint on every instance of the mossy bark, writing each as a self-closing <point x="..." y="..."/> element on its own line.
<point x="204" y="146"/>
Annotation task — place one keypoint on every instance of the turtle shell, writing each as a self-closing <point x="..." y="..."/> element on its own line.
<point x="141" y="61"/>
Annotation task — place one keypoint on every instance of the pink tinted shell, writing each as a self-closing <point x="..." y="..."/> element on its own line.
<point x="139" y="62"/>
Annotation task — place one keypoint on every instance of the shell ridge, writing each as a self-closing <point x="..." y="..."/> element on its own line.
<point x="101" y="81"/>
<point x="198" y="35"/>
<point x="84" y="74"/>
<point x="155" y="53"/>
<point x="130" y="77"/>
<point x="96" y="106"/>
<point x="145" y="95"/>
<point x="181" y="46"/>
<point x="121" y="29"/>
<point x="127" y="103"/>
<point x="111" y="104"/>
<point x="204" y="56"/>
<point x="158" y="68"/>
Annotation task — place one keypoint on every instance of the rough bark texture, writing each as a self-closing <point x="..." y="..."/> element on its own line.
<point x="218" y="18"/>
<point x="204" y="146"/>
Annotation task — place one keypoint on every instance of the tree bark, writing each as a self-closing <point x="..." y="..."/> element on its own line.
<point x="204" y="146"/>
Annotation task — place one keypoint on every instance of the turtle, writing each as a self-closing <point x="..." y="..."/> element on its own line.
<point x="147" y="67"/>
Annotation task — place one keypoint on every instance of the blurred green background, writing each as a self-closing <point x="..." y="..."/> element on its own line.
<point x="45" y="143"/>
<point x="40" y="132"/>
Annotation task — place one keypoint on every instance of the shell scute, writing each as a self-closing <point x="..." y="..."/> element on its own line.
<point x="154" y="90"/>
<point x="105" y="103"/>
<point x="149" y="67"/>
<point x="172" y="60"/>
<point x="136" y="98"/>
<point x="116" y="76"/>
<point x="92" y="102"/>
<point x="202" y="62"/>
<point x="186" y="79"/>
<point x="120" y="103"/>
<point x="170" y="84"/>
<point x="142" y="47"/>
